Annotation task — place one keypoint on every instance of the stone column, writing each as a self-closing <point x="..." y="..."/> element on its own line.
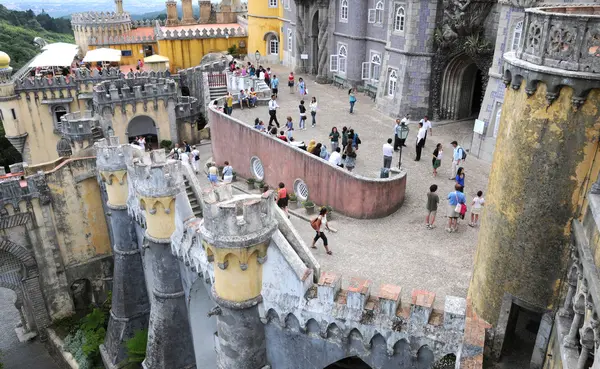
<point x="238" y="246"/>
<point x="323" y="40"/>
<point x="301" y="22"/>
<point x="170" y="344"/>
<point x="586" y="348"/>
<point x="544" y="154"/>
<point x="119" y="6"/>
<point x="567" y="309"/>
<point x="571" y="338"/>
<point x="188" y="12"/>
<point x="130" y="305"/>
<point x="172" y="16"/>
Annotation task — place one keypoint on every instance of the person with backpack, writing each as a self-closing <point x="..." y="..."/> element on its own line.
<point x="459" y="156"/>
<point x="456" y="207"/>
<point x="317" y="225"/>
<point x="195" y="159"/>
<point x="175" y="152"/>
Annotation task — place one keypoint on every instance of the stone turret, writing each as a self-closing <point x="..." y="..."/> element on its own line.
<point x="172" y="17"/>
<point x="99" y="25"/>
<point x="544" y="162"/>
<point x="119" y="6"/>
<point x="158" y="181"/>
<point x="188" y="12"/>
<point x="130" y="304"/>
<point x="5" y="68"/>
<point x="205" y="10"/>
<point x="237" y="232"/>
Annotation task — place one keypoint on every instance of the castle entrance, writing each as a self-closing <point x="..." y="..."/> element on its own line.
<point x="145" y="126"/>
<point x="349" y="363"/>
<point x="314" y="39"/>
<point x="462" y="89"/>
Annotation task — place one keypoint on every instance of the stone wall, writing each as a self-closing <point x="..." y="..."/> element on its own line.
<point x="327" y="184"/>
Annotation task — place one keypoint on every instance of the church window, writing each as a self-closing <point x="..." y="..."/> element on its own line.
<point x="379" y="12"/>
<point x="286" y="4"/>
<point x="392" y="82"/>
<point x="517" y="36"/>
<point x="290" y="36"/>
<point x="399" y="20"/>
<point x="272" y="3"/>
<point x="273" y="46"/>
<point x="343" y="55"/>
<point x="344" y="11"/>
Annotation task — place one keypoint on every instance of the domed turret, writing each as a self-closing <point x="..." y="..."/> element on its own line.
<point x="5" y="69"/>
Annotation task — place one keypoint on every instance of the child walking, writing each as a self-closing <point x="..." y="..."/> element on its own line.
<point x="432" y="203"/>
<point x="477" y="207"/>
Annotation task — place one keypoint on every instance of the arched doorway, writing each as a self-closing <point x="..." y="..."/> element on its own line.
<point x="314" y="38"/>
<point x="461" y="90"/>
<point x="349" y="363"/>
<point x="145" y="126"/>
<point x="82" y="294"/>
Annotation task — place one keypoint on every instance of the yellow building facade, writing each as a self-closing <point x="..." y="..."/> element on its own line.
<point x="265" y="25"/>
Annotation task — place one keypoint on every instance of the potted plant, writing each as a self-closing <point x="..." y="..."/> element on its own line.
<point x="329" y="212"/>
<point x="250" y="182"/>
<point x="293" y="201"/>
<point x="234" y="176"/>
<point x="309" y="206"/>
<point x="259" y="185"/>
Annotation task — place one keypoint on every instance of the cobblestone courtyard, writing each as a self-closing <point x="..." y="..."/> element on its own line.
<point x="397" y="249"/>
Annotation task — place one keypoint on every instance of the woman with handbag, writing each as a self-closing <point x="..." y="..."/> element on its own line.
<point x="456" y="207"/>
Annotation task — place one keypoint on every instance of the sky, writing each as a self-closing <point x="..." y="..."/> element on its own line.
<point x="59" y="8"/>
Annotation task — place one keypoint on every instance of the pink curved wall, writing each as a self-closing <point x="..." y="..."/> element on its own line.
<point x="348" y="194"/>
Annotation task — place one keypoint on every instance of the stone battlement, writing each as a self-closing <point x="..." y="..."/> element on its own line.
<point x="187" y="106"/>
<point x="118" y="91"/>
<point x="156" y="176"/>
<point x="215" y="32"/>
<point x="56" y="82"/>
<point x="100" y="18"/>
<point x="147" y="23"/>
<point x="110" y="156"/>
<point x="78" y="126"/>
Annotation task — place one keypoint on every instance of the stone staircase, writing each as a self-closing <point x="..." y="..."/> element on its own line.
<point x="97" y="134"/>
<point x="196" y="206"/>
<point x="261" y="87"/>
<point x="217" y="91"/>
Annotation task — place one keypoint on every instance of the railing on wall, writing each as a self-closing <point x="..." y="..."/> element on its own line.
<point x="217" y="80"/>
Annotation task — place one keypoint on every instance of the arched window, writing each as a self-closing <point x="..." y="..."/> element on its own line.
<point x="343" y="55"/>
<point x="379" y="12"/>
<point x="273" y="45"/>
<point x="392" y="82"/>
<point x="344" y="11"/>
<point x="375" y="66"/>
<point x="399" y="20"/>
<point x="517" y="35"/>
<point x="290" y="36"/>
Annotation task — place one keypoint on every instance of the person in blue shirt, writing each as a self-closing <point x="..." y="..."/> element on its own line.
<point x="275" y="85"/>
<point x="454" y="198"/>
<point x="460" y="178"/>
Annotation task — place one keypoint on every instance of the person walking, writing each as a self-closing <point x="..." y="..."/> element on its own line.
<point x="355" y="139"/>
<point x="456" y="204"/>
<point x="432" y="204"/>
<point x="273" y="111"/>
<point x="352" y="98"/>
<point x="388" y="152"/>
<point x="458" y="156"/>
<point x="175" y="152"/>
<point x="289" y="128"/>
<point x="313" y="111"/>
<point x="227" y="173"/>
<point x="301" y="86"/>
<point x="476" y="208"/>
<point x="349" y="158"/>
<point x="344" y="138"/>
<point x="229" y="104"/>
<point x="420" y="138"/>
<point x="185" y="156"/>
<point x="317" y="225"/>
<point x="282" y="198"/>
<point x="195" y="159"/>
<point x="397" y="135"/>
<point x="212" y="175"/>
<point x="291" y="82"/>
<point x="275" y="85"/>
<point x="436" y="160"/>
<point x="427" y="125"/>
<point x="460" y="178"/>
<point x="334" y="137"/>
<point x="302" y="110"/>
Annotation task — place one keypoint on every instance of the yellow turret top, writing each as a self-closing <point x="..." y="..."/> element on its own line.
<point x="4" y="60"/>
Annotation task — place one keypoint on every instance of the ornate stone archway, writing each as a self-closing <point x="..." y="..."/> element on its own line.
<point x="308" y="14"/>
<point x="459" y="82"/>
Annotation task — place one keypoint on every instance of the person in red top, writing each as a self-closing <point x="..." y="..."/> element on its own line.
<point x="291" y="82"/>
<point x="282" y="198"/>
<point x="282" y="136"/>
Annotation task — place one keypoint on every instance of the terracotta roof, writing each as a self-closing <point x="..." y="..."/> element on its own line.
<point x="142" y="31"/>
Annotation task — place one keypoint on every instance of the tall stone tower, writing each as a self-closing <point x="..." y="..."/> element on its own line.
<point x="119" y="5"/>
<point x="130" y="304"/>
<point x="237" y="232"/>
<point x="188" y="12"/>
<point x="170" y="344"/>
<point x="543" y="163"/>
<point x="172" y="16"/>
<point x="205" y="10"/>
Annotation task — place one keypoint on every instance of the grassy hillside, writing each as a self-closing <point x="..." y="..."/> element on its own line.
<point x="18" y="29"/>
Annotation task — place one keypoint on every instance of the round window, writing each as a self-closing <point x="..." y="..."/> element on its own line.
<point x="301" y="189"/>
<point x="257" y="168"/>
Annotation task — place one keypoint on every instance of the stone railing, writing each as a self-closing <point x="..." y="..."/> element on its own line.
<point x="121" y="91"/>
<point x="100" y="18"/>
<point x="118" y="40"/>
<point x="78" y="126"/>
<point x="215" y="32"/>
<point x="566" y="37"/>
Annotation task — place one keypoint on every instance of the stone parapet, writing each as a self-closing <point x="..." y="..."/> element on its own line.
<point x="100" y="18"/>
<point x="78" y="126"/>
<point x="123" y="91"/>
<point x="187" y="107"/>
<point x="214" y="32"/>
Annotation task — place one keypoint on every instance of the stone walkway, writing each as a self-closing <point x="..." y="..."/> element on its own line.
<point x="17" y="355"/>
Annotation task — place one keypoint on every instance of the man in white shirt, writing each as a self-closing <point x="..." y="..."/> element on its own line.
<point x="405" y="119"/>
<point x="388" y="152"/>
<point x="457" y="157"/>
<point x="336" y="158"/>
<point x="273" y="111"/>
<point x="427" y="125"/>
<point x="420" y="140"/>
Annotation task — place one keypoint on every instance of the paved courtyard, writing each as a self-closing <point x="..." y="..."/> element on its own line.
<point x="397" y="249"/>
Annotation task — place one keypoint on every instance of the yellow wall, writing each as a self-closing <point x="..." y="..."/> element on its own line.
<point x="135" y="51"/>
<point x="160" y="216"/>
<point x="184" y="54"/>
<point x="121" y="121"/>
<point x="260" y="22"/>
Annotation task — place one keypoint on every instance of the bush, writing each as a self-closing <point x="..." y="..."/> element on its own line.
<point x="233" y="51"/>
<point x="85" y="342"/>
<point x="293" y="197"/>
<point x="136" y="346"/>
<point x="308" y="204"/>
<point x="329" y="208"/>
<point x="250" y="180"/>
<point x="166" y="144"/>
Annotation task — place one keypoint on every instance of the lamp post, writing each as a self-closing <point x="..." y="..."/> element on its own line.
<point x="403" y="136"/>
<point x="257" y="56"/>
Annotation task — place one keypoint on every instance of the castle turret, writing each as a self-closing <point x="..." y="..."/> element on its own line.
<point x="5" y="68"/>
<point x="119" y="5"/>
<point x="172" y="16"/>
<point x="99" y="26"/>
<point x="237" y="233"/>
<point x="544" y="162"/>
<point x="130" y="305"/>
<point x="188" y="12"/>
<point x="205" y="10"/>
<point x="170" y="343"/>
